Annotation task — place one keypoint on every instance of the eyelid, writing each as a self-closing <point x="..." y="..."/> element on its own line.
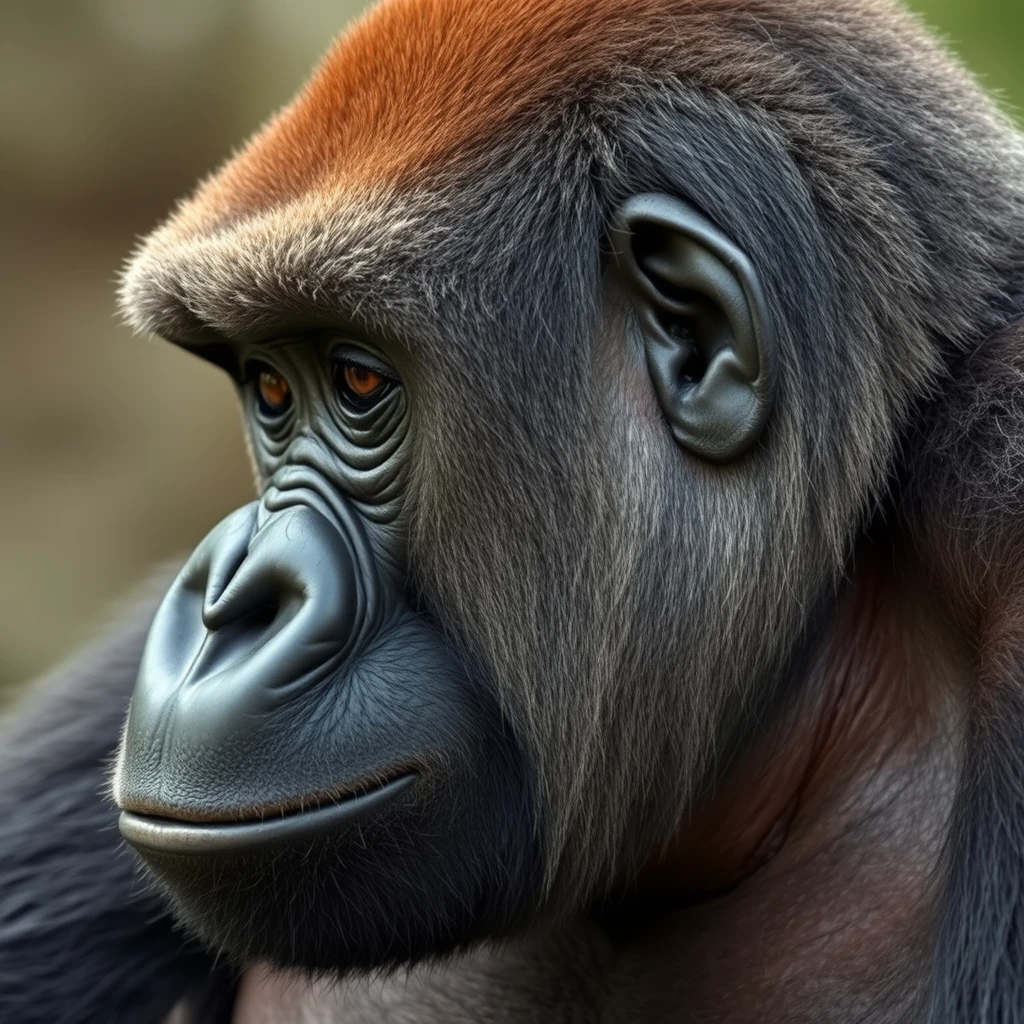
<point x="252" y="368"/>
<point x="363" y="359"/>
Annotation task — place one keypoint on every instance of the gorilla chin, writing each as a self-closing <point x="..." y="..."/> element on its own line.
<point x="412" y="833"/>
<point x="379" y="880"/>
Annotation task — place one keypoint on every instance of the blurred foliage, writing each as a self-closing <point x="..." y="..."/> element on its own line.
<point x="989" y="36"/>
<point x="115" y="453"/>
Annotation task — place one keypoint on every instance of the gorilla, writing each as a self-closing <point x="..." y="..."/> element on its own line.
<point x="628" y="627"/>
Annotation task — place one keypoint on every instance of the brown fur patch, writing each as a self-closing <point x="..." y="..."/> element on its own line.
<point x="415" y="81"/>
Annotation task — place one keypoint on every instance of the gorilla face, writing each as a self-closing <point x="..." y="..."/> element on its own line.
<point x="466" y="653"/>
<point x="308" y="767"/>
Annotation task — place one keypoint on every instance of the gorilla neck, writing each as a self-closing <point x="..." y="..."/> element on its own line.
<point x="878" y="693"/>
<point x="822" y="843"/>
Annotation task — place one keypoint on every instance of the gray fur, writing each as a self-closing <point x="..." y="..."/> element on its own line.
<point x="83" y="938"/>
<point x="634" y="609"/>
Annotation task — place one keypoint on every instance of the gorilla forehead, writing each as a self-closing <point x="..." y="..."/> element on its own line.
<point x="416" y="82"/>
<point x="387" y="261"/>
<point x="351" y="198"/>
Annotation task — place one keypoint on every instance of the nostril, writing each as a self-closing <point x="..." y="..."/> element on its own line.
<point x="243" y="632"/>
<point x="262" y="617"/>
<point x="249" y="608"/>
<point x="226" y="553"/>
<point x="259" y="611"/>
<point x="255" y="594"/>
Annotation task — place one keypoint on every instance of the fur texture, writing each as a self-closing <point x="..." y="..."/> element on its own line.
<point x="838" y="147"/>
<point x="964" y="499"/>
<point x="446" y="181"/>
<point x="83" y="938"/>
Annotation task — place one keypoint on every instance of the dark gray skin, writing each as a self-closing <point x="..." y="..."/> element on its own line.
<point x="667" y="641"/>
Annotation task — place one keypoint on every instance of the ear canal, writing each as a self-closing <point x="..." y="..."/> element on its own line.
<point x="707" y="330"/>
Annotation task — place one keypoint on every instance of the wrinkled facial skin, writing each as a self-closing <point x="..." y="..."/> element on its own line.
<point x="310" y="771"/>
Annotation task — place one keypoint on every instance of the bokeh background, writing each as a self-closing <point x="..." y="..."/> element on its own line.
<point x="117" y="453"/>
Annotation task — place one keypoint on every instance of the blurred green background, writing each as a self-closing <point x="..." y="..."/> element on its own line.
<point x="116" y="453"/>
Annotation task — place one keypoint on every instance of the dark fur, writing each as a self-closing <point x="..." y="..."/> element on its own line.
<point x="874" y="154"/>
<point x="83" y="938"/>
<point x="965" y="501"/>
<point x="882" y="200"/>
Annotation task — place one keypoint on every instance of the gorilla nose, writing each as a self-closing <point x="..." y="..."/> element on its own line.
<point x="296" y="567"/>
<point x="258" y="615"/>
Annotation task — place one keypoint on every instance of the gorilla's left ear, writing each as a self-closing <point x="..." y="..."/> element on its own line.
<point x="706" y="326"/>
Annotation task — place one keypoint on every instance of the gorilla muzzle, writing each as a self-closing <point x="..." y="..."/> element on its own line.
<point x="271" y="609"/>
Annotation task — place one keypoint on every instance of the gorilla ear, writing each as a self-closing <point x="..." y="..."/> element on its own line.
<point x="706" y="327"/>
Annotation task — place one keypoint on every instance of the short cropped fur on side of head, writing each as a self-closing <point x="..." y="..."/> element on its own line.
<point x="447" y="180"/>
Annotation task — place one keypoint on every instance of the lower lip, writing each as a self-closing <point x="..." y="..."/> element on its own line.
<point x="163" y="835"/>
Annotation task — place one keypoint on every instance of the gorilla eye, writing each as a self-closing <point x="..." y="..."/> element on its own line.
<point x="361" y="381"/>
<point x="359" y="385"/>
<point x="275" y="394"/>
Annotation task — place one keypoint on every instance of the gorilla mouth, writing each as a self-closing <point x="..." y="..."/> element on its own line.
<point x="176" y="836"/>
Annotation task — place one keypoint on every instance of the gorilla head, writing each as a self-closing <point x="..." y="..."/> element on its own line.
<point x="568" y="384"/>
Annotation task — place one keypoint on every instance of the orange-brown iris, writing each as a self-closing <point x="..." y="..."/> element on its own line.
<point x="274" y="390"/>
<point x="362" y="381"/>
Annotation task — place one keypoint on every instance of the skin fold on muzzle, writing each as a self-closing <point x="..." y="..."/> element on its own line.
<point x="312" y="770"/>
<point x="268" y="609"/>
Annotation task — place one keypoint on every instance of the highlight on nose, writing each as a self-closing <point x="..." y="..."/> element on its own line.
<point x="221" y="555"/>
<point x="261" y="613"/>
<point x="251" y="577"/>
<point x="297" y="568"/>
